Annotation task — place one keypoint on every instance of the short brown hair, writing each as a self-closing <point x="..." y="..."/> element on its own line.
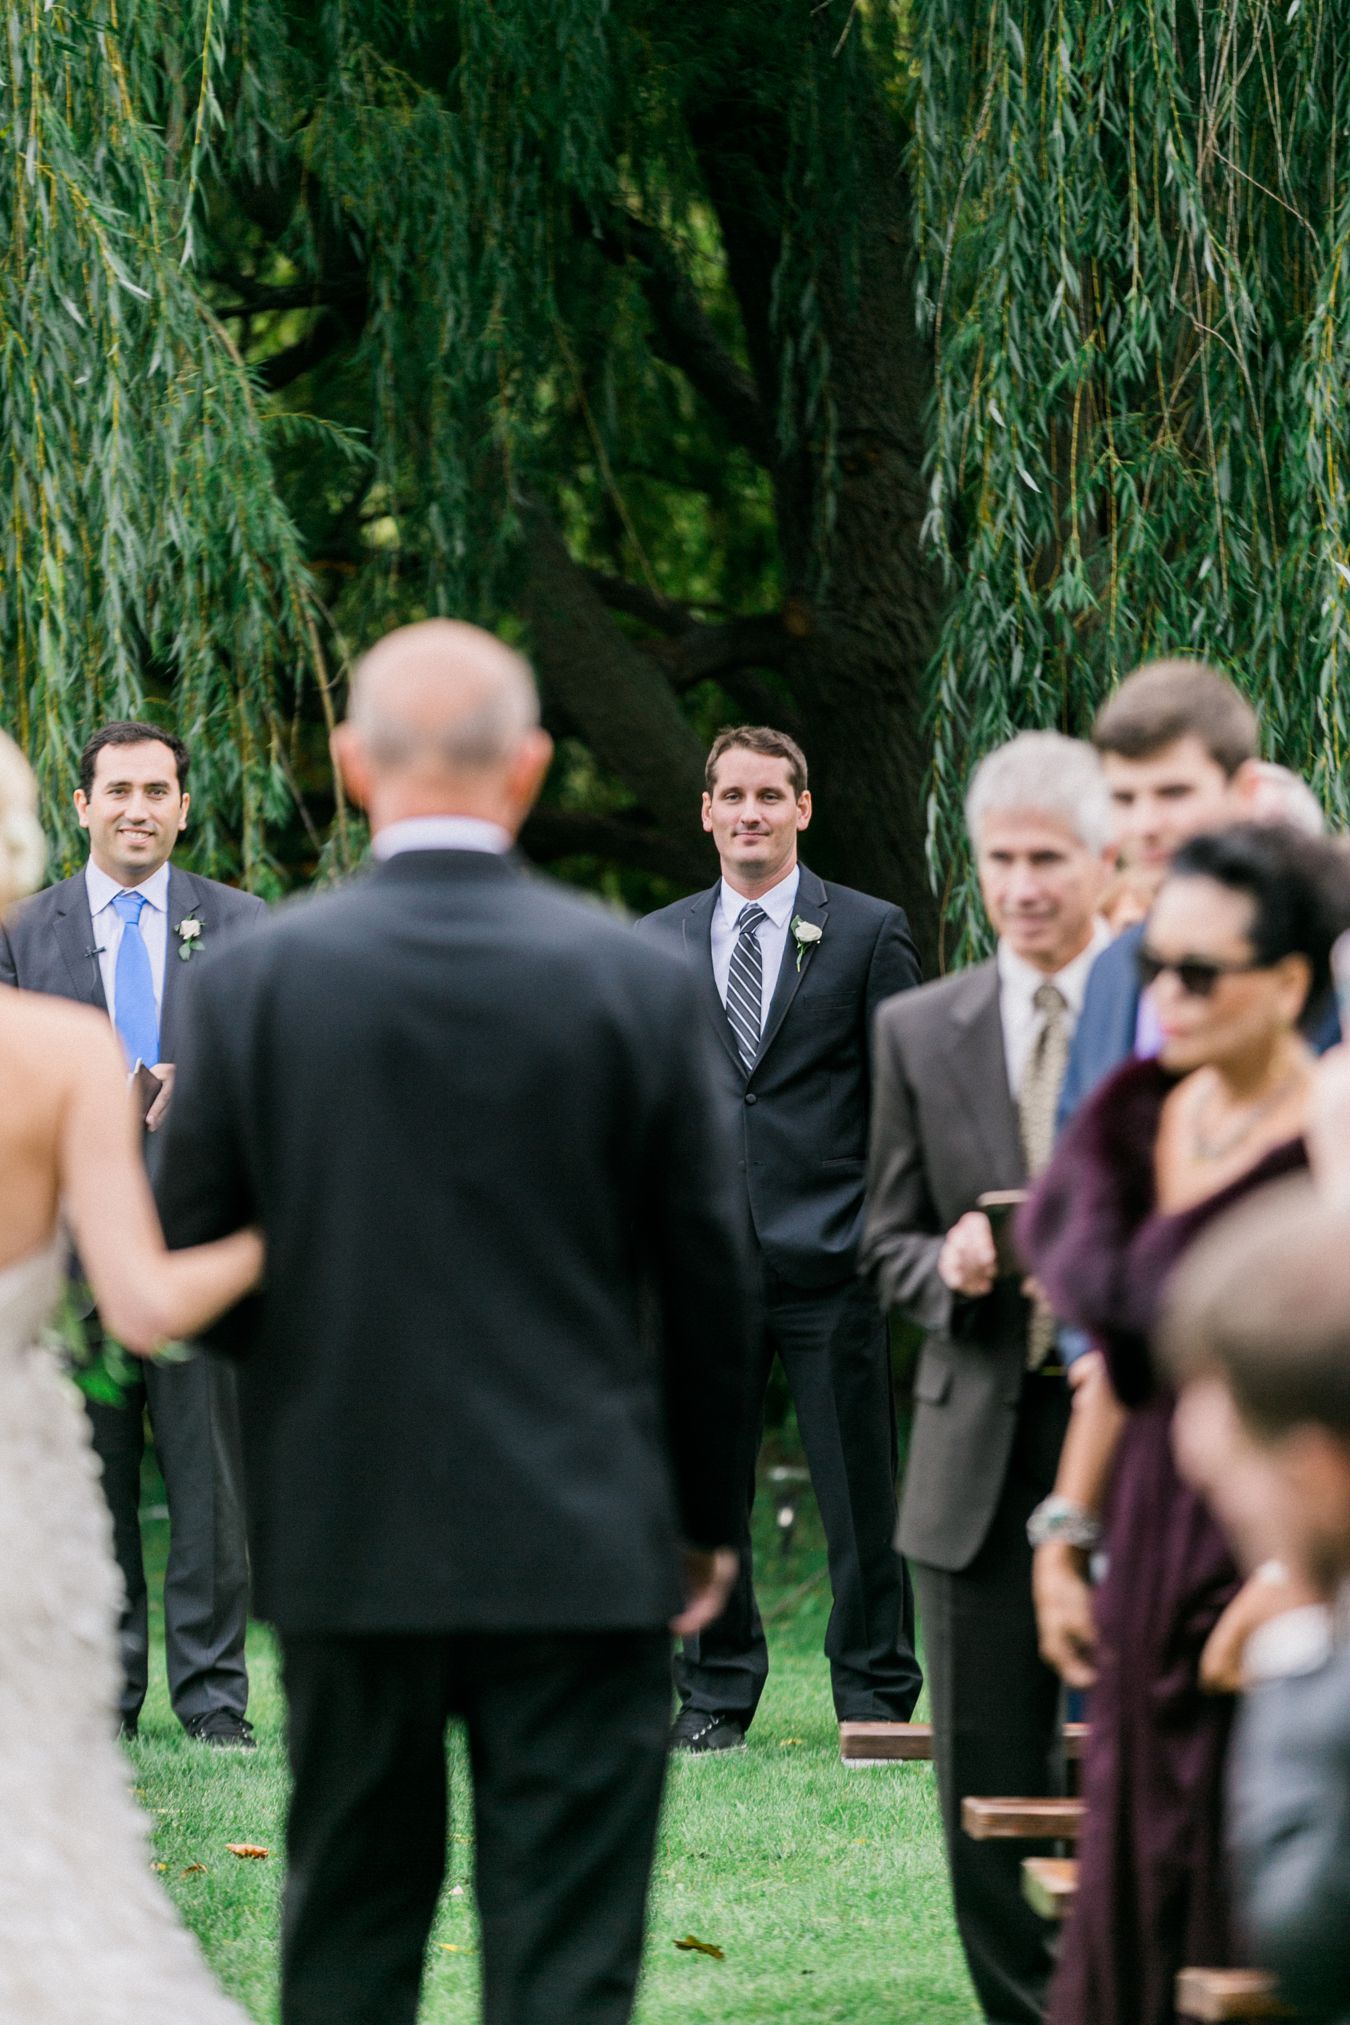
<point x="1167" y="700"/>
<point x="758" y="738"/>
<point x="131" y="731"/>
<point x="1263" y="1299"/>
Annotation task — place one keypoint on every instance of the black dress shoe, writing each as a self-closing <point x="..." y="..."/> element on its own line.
<point x="226" y="1732"/>
<point x="700" y="1730"/>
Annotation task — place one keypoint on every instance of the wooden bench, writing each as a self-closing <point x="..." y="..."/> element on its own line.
<point x="1031" y="1819"/>
<point x="909" y="1743"/>
<point x="1205" y="1994"/>
<point x="885" y="1743"/>
<point x="1049" y="1884"/>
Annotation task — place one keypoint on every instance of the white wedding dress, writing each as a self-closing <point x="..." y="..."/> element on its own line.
<point x="87" y="1933"/>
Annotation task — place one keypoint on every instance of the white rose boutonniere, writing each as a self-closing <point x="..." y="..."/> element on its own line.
<point x="189" y="933"/>
<point x="806" y="934"/>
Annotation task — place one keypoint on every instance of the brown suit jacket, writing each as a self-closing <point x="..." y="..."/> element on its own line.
<point x="944" y="1129"/>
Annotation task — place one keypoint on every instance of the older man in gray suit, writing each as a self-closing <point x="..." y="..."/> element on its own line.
<point x="967" y="1074"/>
<point x="124" y="934"/>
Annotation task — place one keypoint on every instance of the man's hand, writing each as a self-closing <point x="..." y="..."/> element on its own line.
<point x="1261" y="1597"/>
<point x="154" y="1117"/>
<point x="968" y="1262"/>
<point x="708" y="1577"/>
<point x="1065" y="1628"/>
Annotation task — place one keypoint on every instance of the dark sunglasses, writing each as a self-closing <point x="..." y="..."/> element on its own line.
<point x="1196" y="975"/>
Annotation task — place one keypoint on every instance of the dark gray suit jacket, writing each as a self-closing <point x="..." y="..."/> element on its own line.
<point x="47" y="944"/>
<point x="801" y="1113"/>
<point x="1289" y="1823"/>
<point x="944" y="1129"/>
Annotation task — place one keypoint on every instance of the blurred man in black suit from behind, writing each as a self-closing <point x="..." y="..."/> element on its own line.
<point x="468" y="1112"/>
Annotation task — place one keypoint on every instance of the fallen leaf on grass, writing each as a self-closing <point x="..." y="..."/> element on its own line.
<point x="692" y="1942"/>
<point x="195" y="1870"/>
<point x="785" y="1743"/>
<point x="450" y="1948"/>
<point x="159" y="1866"/>
<point x="247" y="1849"/>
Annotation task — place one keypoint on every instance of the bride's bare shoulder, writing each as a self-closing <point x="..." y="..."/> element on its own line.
<point x="40" y="1033"/>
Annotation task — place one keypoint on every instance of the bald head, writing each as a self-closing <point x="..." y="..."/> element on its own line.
<point x="442" y="696"/>
<point x="443" y="719"/>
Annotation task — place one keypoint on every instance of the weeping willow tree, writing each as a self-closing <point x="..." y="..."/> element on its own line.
<point x="1134" y="224"/>
<point x="145" y="552"/>
<point x="899" y="374"/>
<point x="594" y="321"/>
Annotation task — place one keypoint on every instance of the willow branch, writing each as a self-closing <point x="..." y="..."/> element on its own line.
<point x="684" y="335"/>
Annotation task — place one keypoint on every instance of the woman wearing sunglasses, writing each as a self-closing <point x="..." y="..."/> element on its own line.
<point x="1236" y="950"/>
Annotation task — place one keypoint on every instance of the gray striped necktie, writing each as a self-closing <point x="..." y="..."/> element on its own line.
<point x="745" y="982"/>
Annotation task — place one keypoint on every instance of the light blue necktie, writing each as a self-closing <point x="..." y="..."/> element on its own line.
<point x="137" y="1016"/>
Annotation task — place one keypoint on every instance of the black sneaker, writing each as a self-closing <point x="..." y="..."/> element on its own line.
<point x="700" y="1730"/>
<point x="223" y="1730"/>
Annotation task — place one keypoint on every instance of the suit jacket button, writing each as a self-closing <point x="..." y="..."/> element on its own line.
<point x="750" y="1097"/>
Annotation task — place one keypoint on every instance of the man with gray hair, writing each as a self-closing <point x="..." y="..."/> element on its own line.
<point x="472" y="1118"/>
<point x="967" y="1075"/>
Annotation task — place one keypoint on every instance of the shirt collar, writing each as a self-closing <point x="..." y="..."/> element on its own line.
<point x="440" y="833"/>
<point x="1015" y="974"/>
<point x="103" y="891"/>
<point x="777" y="902"/>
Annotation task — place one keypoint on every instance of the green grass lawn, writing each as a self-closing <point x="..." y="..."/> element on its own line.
<point x="824" y="1888"/>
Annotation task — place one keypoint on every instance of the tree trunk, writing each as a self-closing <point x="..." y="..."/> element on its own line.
<point x="859" y="674"/>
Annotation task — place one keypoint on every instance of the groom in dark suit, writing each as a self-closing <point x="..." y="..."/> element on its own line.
<point x="789" y="973"/>
<point x="469" y="1113"/>
<point x="124" y="935"/>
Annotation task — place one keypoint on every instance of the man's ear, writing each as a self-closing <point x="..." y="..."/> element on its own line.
<point x="528" y="771"/>
<point x="1246" y="783"/>
<point x="184" y="806"/>
<point x="82" y="807"/>
<point x="804" y="809"/>
<point x="706" y="813"/>
<point x="349" y="762"/>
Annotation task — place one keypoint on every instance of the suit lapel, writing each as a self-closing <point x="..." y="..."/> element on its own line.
<point x="812" y="904"/>
<point x="187" y="896"/>
<point x="697" y="930"/>
<point x="979" y="1083"/>
<point x="74" y="933"/>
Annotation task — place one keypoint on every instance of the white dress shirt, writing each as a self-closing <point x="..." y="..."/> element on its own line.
<point x="154" y="926"/>
<point x="1018" y="984"/>
<point x="777" y="903"/>
<point x="440" y="833"/>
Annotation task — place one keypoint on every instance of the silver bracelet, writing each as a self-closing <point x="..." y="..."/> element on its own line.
<point x="1061" y="1519"/>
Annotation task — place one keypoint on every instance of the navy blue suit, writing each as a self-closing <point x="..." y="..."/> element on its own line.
<point x="800" y="1117"/>
<point x="1108" y="1023"/>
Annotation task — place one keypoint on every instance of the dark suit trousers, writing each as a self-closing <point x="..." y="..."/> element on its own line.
<point x="195" y="1416"/>
<point x="836" y="1355"/>
<point x="567" y="1748"/>
<point x="996" y="1717"/>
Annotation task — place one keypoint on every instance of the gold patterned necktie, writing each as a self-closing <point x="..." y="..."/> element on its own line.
<point x="1037" y="1103"/>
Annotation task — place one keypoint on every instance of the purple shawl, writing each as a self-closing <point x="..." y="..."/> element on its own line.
<point x="1092" y="1232"/>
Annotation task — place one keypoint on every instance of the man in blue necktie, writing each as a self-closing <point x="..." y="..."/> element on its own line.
<point x="123" y="934"/>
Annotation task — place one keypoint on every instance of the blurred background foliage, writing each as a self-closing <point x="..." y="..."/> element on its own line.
<point x="898" y="374"/>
